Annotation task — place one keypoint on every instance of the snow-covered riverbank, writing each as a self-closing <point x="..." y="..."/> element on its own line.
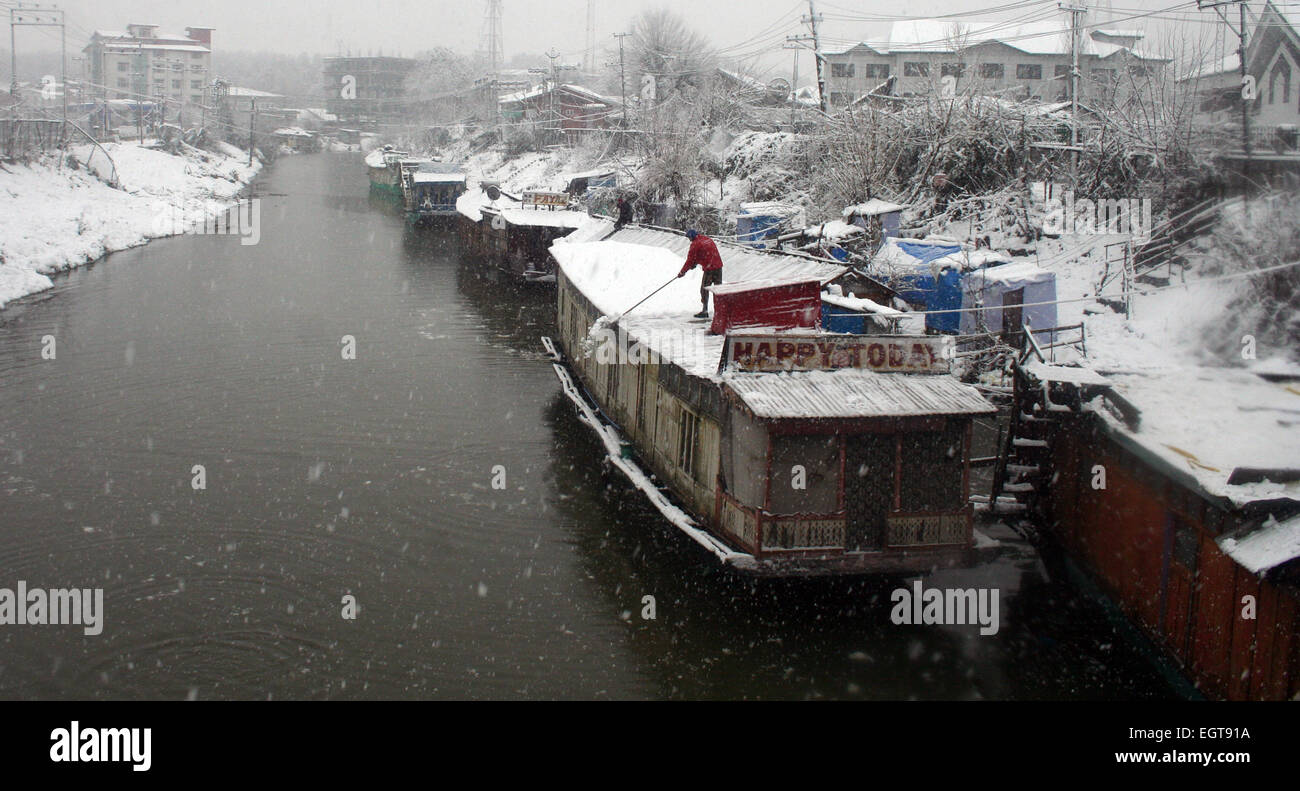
<point x="53" y="219"/>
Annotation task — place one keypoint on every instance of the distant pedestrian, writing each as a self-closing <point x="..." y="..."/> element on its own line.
<point x="705" y="253"/>
<point x="624" y="213"/>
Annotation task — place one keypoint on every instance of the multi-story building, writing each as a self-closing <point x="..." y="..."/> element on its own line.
<point x="1273" y="61"/>
<point x="1031" y="60"/>
<point x="146" y="64"/>
<point x="369" y="88"/>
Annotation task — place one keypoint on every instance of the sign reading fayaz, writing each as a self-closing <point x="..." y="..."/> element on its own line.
<point x="918" y="354"/>
<point x="547" y="199"/>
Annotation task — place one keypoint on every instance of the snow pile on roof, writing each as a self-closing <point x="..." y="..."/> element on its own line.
<point x="832" y="231"/>
<point x="854" y="393"/>
<point x="770" y="209"/>
<point x="872" y="208"/>
<point x="1208" y="422"/>
<point x="292" y="131"/>
<point x="542" y="218"/>
<point x="471" y="203"/>
<point x="591" y="229"/>
<point x="1266" y="547"/>
<point x="438" y="173"/>
<point x="860" y="304"/>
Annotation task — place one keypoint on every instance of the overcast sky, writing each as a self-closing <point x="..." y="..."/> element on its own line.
<point x="530" y="26"/>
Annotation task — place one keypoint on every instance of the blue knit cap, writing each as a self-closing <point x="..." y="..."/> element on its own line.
<point x="691" y="234"/>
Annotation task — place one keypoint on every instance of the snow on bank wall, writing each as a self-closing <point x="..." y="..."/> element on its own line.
<point x="52" y="220"/>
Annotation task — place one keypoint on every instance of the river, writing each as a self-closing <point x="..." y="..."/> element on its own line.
<point x="373" y="477"/>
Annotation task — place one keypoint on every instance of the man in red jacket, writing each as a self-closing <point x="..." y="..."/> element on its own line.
<point x="705" y="253"/>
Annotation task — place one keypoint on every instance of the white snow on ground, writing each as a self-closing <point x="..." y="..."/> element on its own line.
<point x="55" y="219"/>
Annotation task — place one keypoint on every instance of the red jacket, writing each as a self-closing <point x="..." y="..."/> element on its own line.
<point x="703" y="252"/>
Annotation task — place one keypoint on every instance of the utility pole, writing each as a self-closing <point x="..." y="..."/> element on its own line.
<point x="1248" y="87"/>
<point x="622" y="75"/>
<point x="812" y="21"/>
<point x="1076" y="16"/>
<point x="38" y="17"/>
<point x="1247" y="95"/>
<point x="252" y="116"/>
<point x="795" y="43"/>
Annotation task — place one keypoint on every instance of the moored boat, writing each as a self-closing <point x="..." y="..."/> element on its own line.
<point x="784" y="449"/>
<point x="432" y="191"/>
<point x="513" y="234"/>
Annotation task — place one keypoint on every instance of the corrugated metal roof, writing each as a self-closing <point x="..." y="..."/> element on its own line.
<point x="853" y="393"/>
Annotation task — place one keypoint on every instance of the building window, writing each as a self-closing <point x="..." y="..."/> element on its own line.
<point x="1103" y="75"/>
<point x="840" y="99"/>
<point x="176" y="85"/>
<point x="121" y="65"/>
<point x="953" y="69"/>
<point x="819" y="481"/>
<point x="878" y="71"/>
<point x="1061" y="70"/>
<point x="196" y="85"/>
<point x="912" y="68"/>
<point x="1137" y="70"/>
<point x="991" y="71"/>
<point x="196" y="55"/>
<point x="122" y="82"/>
<point x="1280" y="73"/>
<point x="1029" y="71"/>
<point x="841" y="69"/>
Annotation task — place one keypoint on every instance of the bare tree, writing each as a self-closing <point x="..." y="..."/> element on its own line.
<point x="665" y="47"/>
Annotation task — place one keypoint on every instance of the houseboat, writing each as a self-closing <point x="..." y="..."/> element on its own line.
<point x="1176" y="491"/>
<point x="431" y="192"/>
<point x="388" y="168"/>
<point x="514" y="234"/>
<point x="781" y="448"/>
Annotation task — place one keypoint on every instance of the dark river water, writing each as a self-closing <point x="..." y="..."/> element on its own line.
<point x="372" y="477"/>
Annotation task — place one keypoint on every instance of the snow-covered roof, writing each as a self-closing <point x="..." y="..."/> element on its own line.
<point x="854" y="393"/>
<point x="1206" y="423"/>
<point x="472" y="202"/>
<point x="832" y="230"/>
<point x="1266" y="547"/>
<point x="871" y="208"/>
<point x="617" y="273"/>
<point x="1014" y="274"/>
<point x="944" y="35"/>
<point x="1225" y="65"/>
<point x="235" y="90"/>
<point x="291" y="131"/>
<point x="543" y="218"/>
<point x="850" y="302"/>
<point x="769" y="209"/>
<point x="1050" y="37"/>
<point x="542" y="90"/>
<point x="433" y="177"/>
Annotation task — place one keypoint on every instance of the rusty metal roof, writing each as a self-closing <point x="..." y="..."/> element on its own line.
<point x="854" y="393"/>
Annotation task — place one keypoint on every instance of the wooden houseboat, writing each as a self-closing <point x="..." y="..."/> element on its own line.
<point x="784" y="449"/>
<point x="388" y="168"/>
<point x="1178" y="492"/>
<point x="514" y="235"/>
<point x="431" y="192"/>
